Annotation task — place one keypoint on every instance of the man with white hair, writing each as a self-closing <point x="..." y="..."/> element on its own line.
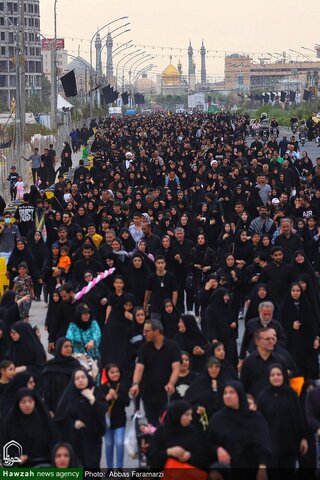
<point x="264" y="320"/>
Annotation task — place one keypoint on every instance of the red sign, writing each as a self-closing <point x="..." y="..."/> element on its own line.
<point x="47" y="43"/>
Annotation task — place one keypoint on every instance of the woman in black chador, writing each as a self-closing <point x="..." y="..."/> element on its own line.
<point x="238" y="436"/>
<point x="191" y="340"/>
<point x="220" y="324"/>
<point x="204" y="393"/>
<point x="177" y="438"/>
<point x="25" y="348"/>
<point x="80" y="418"/>
<point x="29" y="424"/>
<point x="279" y="405"/>
<point x="300" y="326"/>
<point x="57" y="373"/>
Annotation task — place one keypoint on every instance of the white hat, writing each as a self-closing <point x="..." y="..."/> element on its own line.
<point x="275" y="201"/>
<point x="128" y="154"/>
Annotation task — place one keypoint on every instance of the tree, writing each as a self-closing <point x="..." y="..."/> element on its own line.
<point x="45" y="88"/>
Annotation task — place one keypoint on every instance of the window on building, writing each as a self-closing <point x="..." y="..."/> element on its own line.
<point x="3" y="66"/>
<point x="1" y="6"/>
<point x="3" y="80"/>
<point x="15" y="7"/>
<point x="11" y="37"/>
<point x="11" y="51"/>
<point x="2" y="36"/>
<point x="3" y="51"/>
<point x="1" y="21"/>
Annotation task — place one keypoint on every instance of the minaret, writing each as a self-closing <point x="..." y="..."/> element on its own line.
<point x="98" y="46"/>
<point x="109" y="45"/>
<point x="203" y="64"/>
<point x="190" y="66"/>
<point x="180" y="67"/>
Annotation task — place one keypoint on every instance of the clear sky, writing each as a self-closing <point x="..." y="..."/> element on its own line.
<point x="225" y="26"/>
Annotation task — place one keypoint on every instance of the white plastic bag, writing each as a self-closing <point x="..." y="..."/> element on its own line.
<point x="130" y="439"/>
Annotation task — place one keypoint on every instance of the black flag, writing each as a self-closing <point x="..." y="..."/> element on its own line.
<point x="125" y="98"/>
<point x="283" y="96"/>
<point x="273" y="96"/>
<point x="69" y="84"/>
<point x="106" y="91"/>
<point x="306" y="95"/>
<point x="292" y="96"/>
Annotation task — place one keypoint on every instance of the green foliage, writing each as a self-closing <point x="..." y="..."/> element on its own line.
<point x="302" y="111"/>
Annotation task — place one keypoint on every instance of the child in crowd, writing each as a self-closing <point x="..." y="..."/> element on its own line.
<point x="23" y="286"/>
<point x="64" y="264"/>
<point x="19" y="186"/>
<point x="13" y="178"/>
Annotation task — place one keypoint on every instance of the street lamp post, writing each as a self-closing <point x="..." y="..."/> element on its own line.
<point x="22" y="67"/>
<point x="91" y="41"/>
<point x="141" y="62"/>
<point x="126" y="63"/>
<point x="54" y="84"/>
<point x="18" y="89"/>
<point x="123" y="58"/>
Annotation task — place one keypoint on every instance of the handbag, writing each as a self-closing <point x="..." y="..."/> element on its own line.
<point x="109" y="411"/>
<point x="174" y="469"/>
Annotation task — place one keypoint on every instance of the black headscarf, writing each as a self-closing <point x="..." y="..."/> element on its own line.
<point x="281" y="409"/>
<point x="20" y="380"/>
<point x="61" y="364"/>
<point x="34" y="432"/>
<point x="9" y="311"/>
<point x="74" y="462"/>
<point x="170" y="320"/>
<point x="73" y="406"/>
<point x="172" y="433"/>
<point x="80" y="309"/>
<point x="4" y="339"/>
<point x="192" y="336"/>
<point x="242" y="433"/>
<point x="28" y="350"/>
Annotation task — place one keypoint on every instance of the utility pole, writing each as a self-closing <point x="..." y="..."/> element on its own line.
<point x="22" y="70"/>
<point x="53" y="113"/>
<point x="18" y="100"/>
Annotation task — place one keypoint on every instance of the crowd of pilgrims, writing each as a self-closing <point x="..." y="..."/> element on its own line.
<point x="206" y="229"/>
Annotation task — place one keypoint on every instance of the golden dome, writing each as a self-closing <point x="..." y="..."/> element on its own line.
<point x="170" y="71"/>
<point x="171" y="76"/>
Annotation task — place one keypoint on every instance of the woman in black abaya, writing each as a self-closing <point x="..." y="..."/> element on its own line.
<point x="279" y="405"/>
<point x="114" y="334"/>
<point x="220" y="325"/>
<point x="190" y="339"/>
<point x="238" y="436"/>
<point x="177" y="438"/>
<point x="57" y="373"/>
<point x="259" y="294"/>
<point x="170" y="318"/>
<point x="20" y="380"/>
<point x="30" y="425"/>
<point x="300" y="326"/>
<point x="136" y="277"/>
<point x="216" y="349"/>
<point x="205" y="392"/>
<point x="135" y="340"/>
<point x="25" y="348"/>
<point x="80" y="418"/>
<point x="4" y="339"/>
<point x="9" y="310"/>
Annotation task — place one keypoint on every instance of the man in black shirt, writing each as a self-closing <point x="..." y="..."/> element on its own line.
<point x="288" y="240"/>
<point x="87" y="262"/>
<point x="277" y="275"/>
<point x="66" y="314"/>
<point x="25" y="216"/>
<point x="264" y="320"/>
<point x="255" y="369"/>
<point x="158" y="365"/>
<point x="181" y="250"/>
<point x="160" y="286"/>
